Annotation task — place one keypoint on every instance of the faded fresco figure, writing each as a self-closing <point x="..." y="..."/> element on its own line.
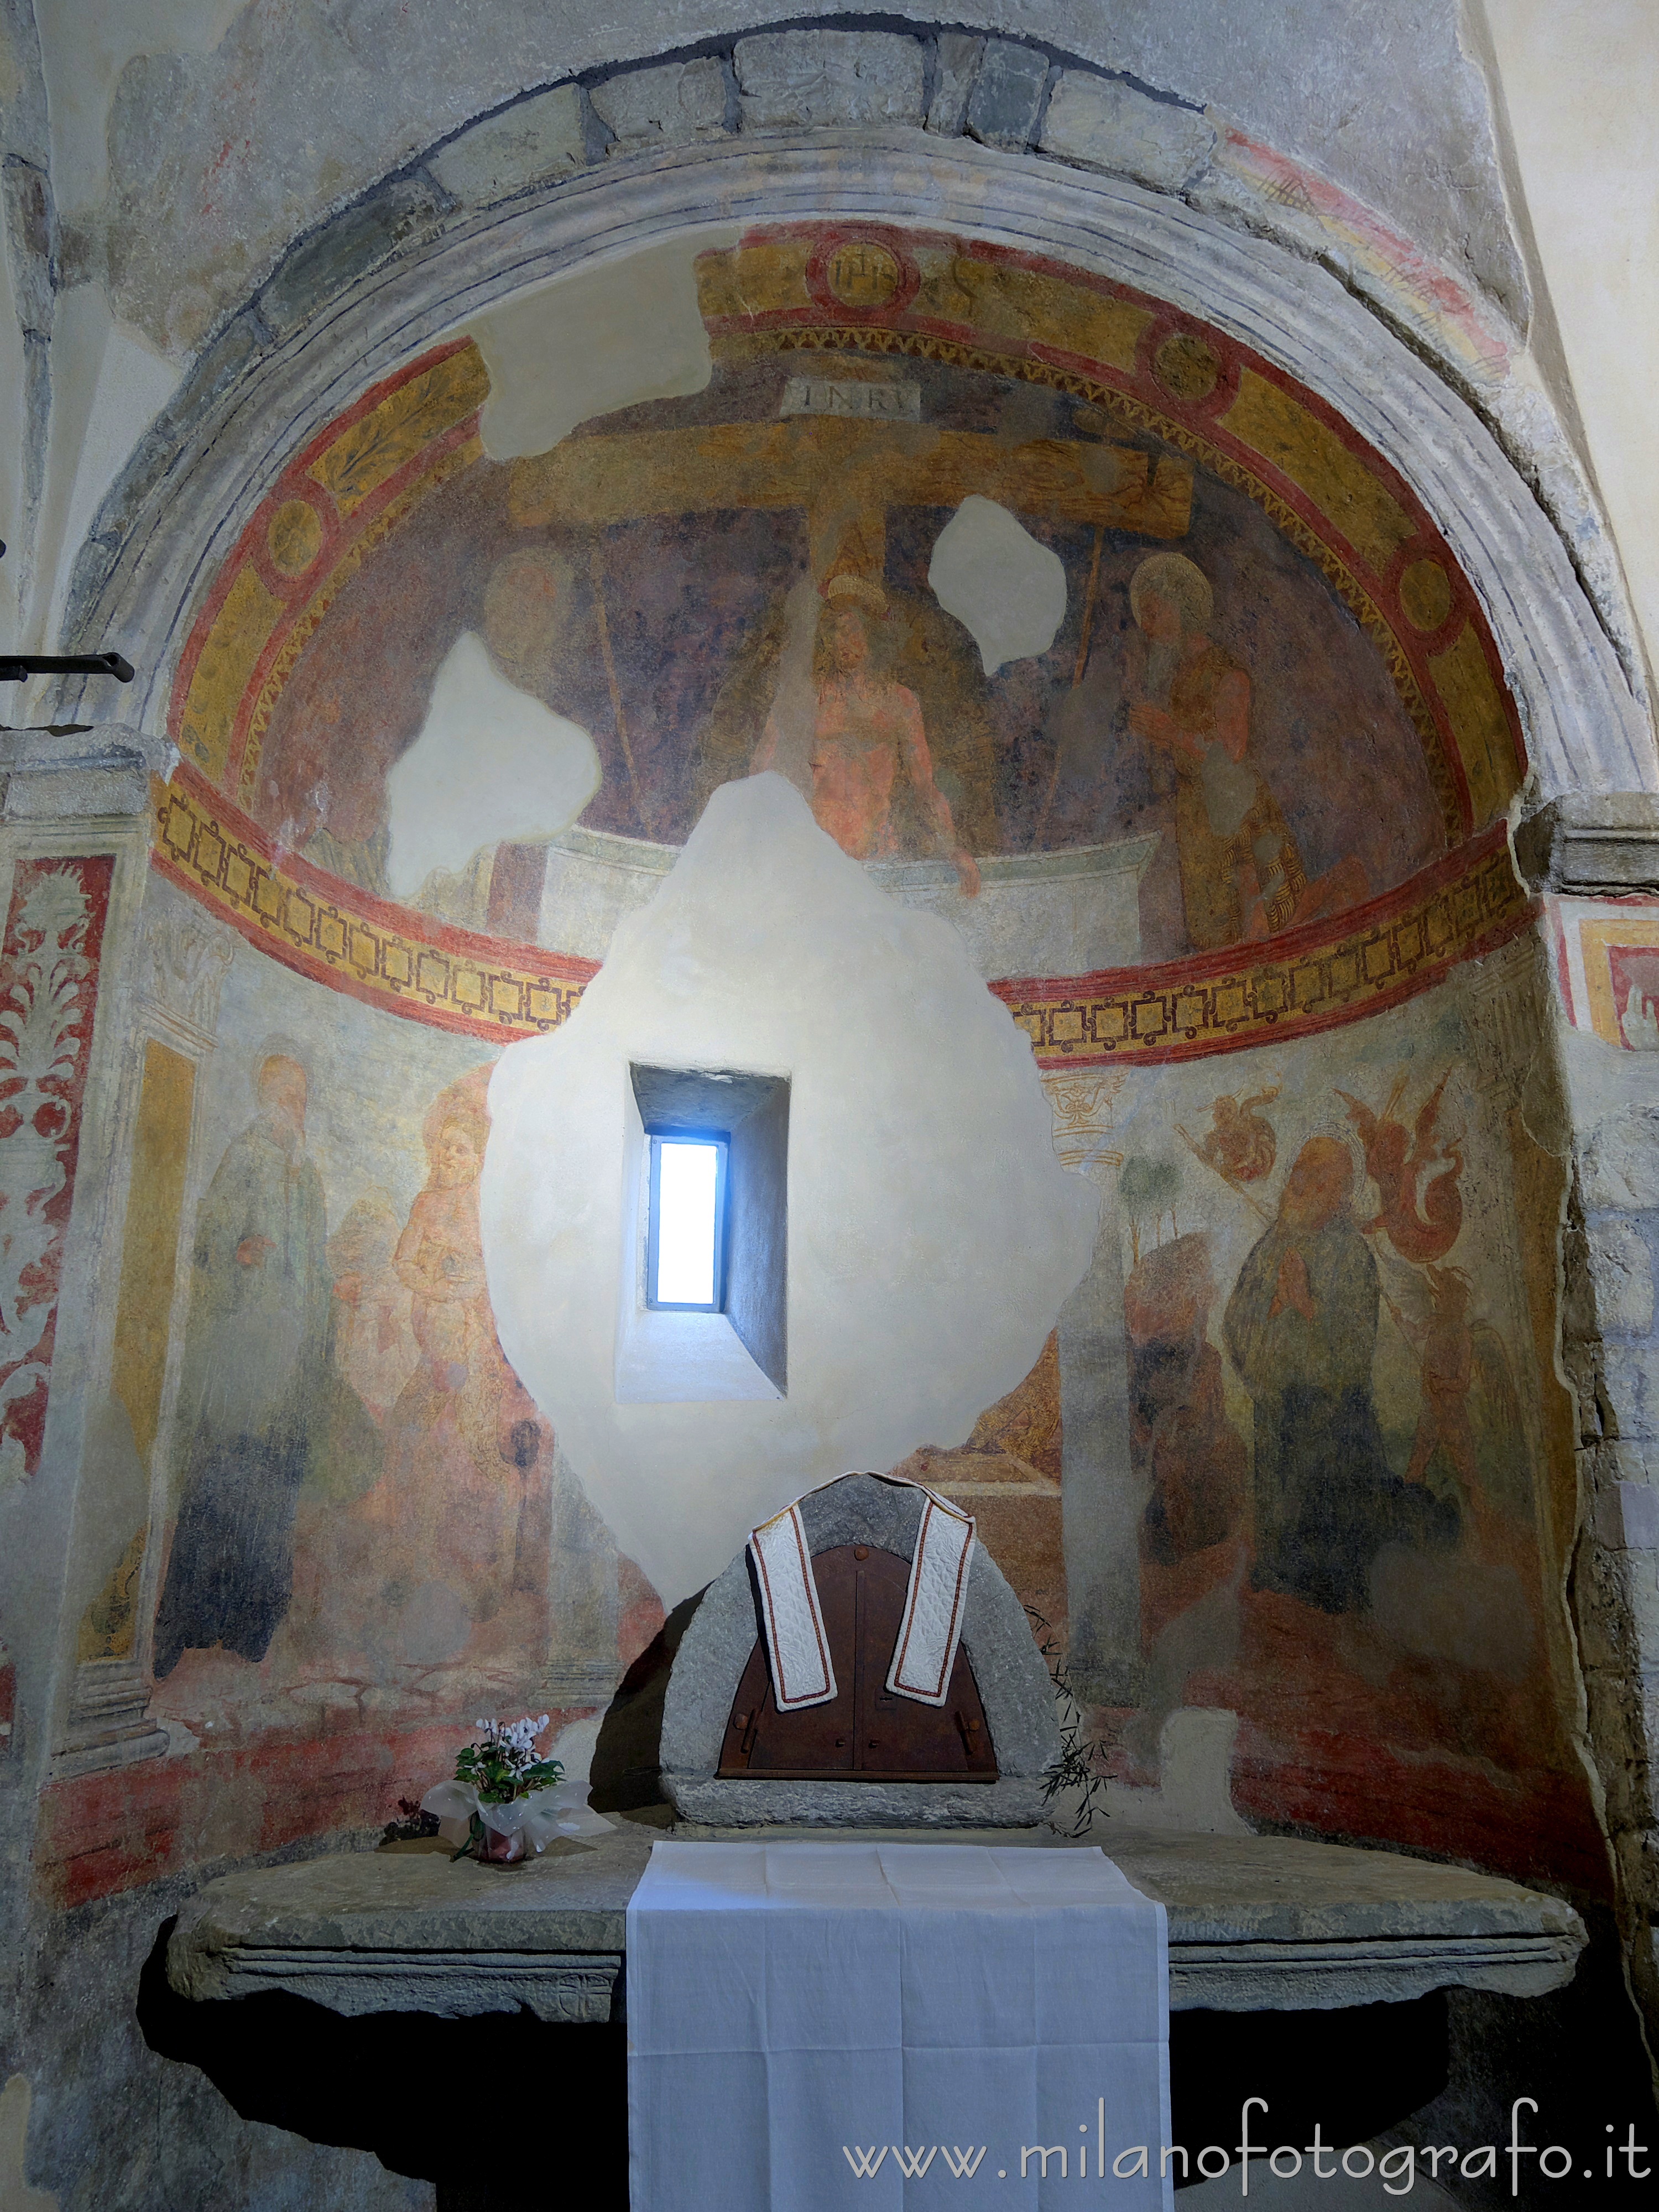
<point x="866" y="726"/>
<point x="1182" y="1445"/>
<point x="255" y="1364"/>
<point x="1468" y="1397"/>
<point x="449" y="1514"/>
<point x="1240" y="1144"/>
<point x="1241" y="874"/>
<point x="374" y="1348"/>
<point x="1301" y="1329"/>
<point x="1396" y="1165"/>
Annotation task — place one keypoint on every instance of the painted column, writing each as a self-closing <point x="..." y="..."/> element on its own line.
<point x="183" y="957"/>
<point x="74" y="831"/>
<point x="1104" y="1500"/>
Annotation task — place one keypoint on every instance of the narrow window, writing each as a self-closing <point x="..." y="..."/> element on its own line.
<point x="685" y="1255"/>
<point x="706" y="1254"/>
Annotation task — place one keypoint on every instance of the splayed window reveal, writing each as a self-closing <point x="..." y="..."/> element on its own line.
<point x="933" y="1235"/>
<point x="490" y="763"/>
<point x="1005" y="589"/>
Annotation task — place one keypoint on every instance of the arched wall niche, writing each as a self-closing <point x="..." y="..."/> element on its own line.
<point x="862" y="384"/>
<point x="166" y="529"/>
<point x="1439" y="1616"/>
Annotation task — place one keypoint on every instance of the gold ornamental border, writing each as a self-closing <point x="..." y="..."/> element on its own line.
<point x="356" y="482"/>
<point x="1633" y="931"/>
<point x="1314" y="978"/>
<point x="383" y="954"/>
<point x="1318" y="977"/>
<point x="922" y="345"/>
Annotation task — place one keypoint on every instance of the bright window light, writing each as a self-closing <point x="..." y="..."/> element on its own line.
<point x="688" y="1189"/>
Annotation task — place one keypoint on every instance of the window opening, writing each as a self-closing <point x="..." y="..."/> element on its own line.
<point x="705" y="1260"/>
<point x="685" y="1254"/>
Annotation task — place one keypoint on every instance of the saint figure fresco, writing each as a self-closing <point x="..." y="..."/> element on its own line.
<point x="1301" y="1329"/>
<point x="256" y="1361"/>
<point x="461" y="1440"/>
<point x="1241" y="873"/>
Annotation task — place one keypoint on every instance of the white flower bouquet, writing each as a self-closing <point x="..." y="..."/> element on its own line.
<point x="507" y="1800"/>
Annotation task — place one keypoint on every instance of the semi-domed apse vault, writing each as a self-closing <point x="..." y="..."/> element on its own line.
<point x="473" y="669"/>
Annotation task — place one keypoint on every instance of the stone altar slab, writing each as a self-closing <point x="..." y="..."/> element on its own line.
<point x="1256" y="1924"/>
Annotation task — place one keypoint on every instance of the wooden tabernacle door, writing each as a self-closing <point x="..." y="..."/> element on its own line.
<point x="864" y="1733"/>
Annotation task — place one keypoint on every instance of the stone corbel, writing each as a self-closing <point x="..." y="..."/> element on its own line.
<point x="76" y="772"/>
<point x="1592" y="845"/>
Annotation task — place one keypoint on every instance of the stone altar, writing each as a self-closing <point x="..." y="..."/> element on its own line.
<point x="1256" y="1924"/>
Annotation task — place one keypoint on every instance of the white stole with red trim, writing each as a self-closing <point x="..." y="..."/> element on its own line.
<point x="930" y="1628"/>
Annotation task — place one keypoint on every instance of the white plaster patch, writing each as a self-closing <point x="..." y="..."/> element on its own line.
<point x="490" y="763"/>
<point x="606" y="337"/>
<point x="15" y="2193"/>
<point x="932" y="1235"/>
<point x="991" y="574"/>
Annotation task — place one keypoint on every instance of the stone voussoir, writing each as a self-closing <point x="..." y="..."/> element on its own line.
<point x="354" y="242"/>
<point x="808" y="80"/>
<point x="532" y="143"/>
<point x="669" y="105"/>
<point x="955" y="62"/>
<point x="1107" y="125"/>
<point x="1006" y="99"/>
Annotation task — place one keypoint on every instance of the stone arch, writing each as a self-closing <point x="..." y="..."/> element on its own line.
<point x="259" y="391"/>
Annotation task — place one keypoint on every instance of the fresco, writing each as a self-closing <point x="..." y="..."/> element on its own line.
<point x="48" y="972"/>
<point x="361" y="1499"/>
<point x="1607" y="961"/>
<point x="1079" y="623"/>
<point x="1014" y="572"/>
<point x="1332" y="1371"/>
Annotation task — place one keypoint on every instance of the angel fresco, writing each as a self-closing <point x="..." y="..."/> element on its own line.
<point x="1395" y="1166"/>
<point x="1240" y="1145"/>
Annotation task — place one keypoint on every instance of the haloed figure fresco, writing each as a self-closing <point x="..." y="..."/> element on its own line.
<point x="452" y="1517"/>
<point x="255" y="1366"/>
<point x="1241" y="873"/>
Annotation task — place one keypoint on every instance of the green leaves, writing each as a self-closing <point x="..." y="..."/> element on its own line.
<point x="504" y="1766"/>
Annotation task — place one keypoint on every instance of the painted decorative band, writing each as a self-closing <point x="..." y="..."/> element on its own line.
<point x="373" y="951"/>
<point x="1314" y="978"/>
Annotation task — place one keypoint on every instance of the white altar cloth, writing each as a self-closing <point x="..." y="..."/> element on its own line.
<point x="807" y="2022"/>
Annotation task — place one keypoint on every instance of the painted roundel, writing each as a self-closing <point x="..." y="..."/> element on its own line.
<point x="1063" y="610"/>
